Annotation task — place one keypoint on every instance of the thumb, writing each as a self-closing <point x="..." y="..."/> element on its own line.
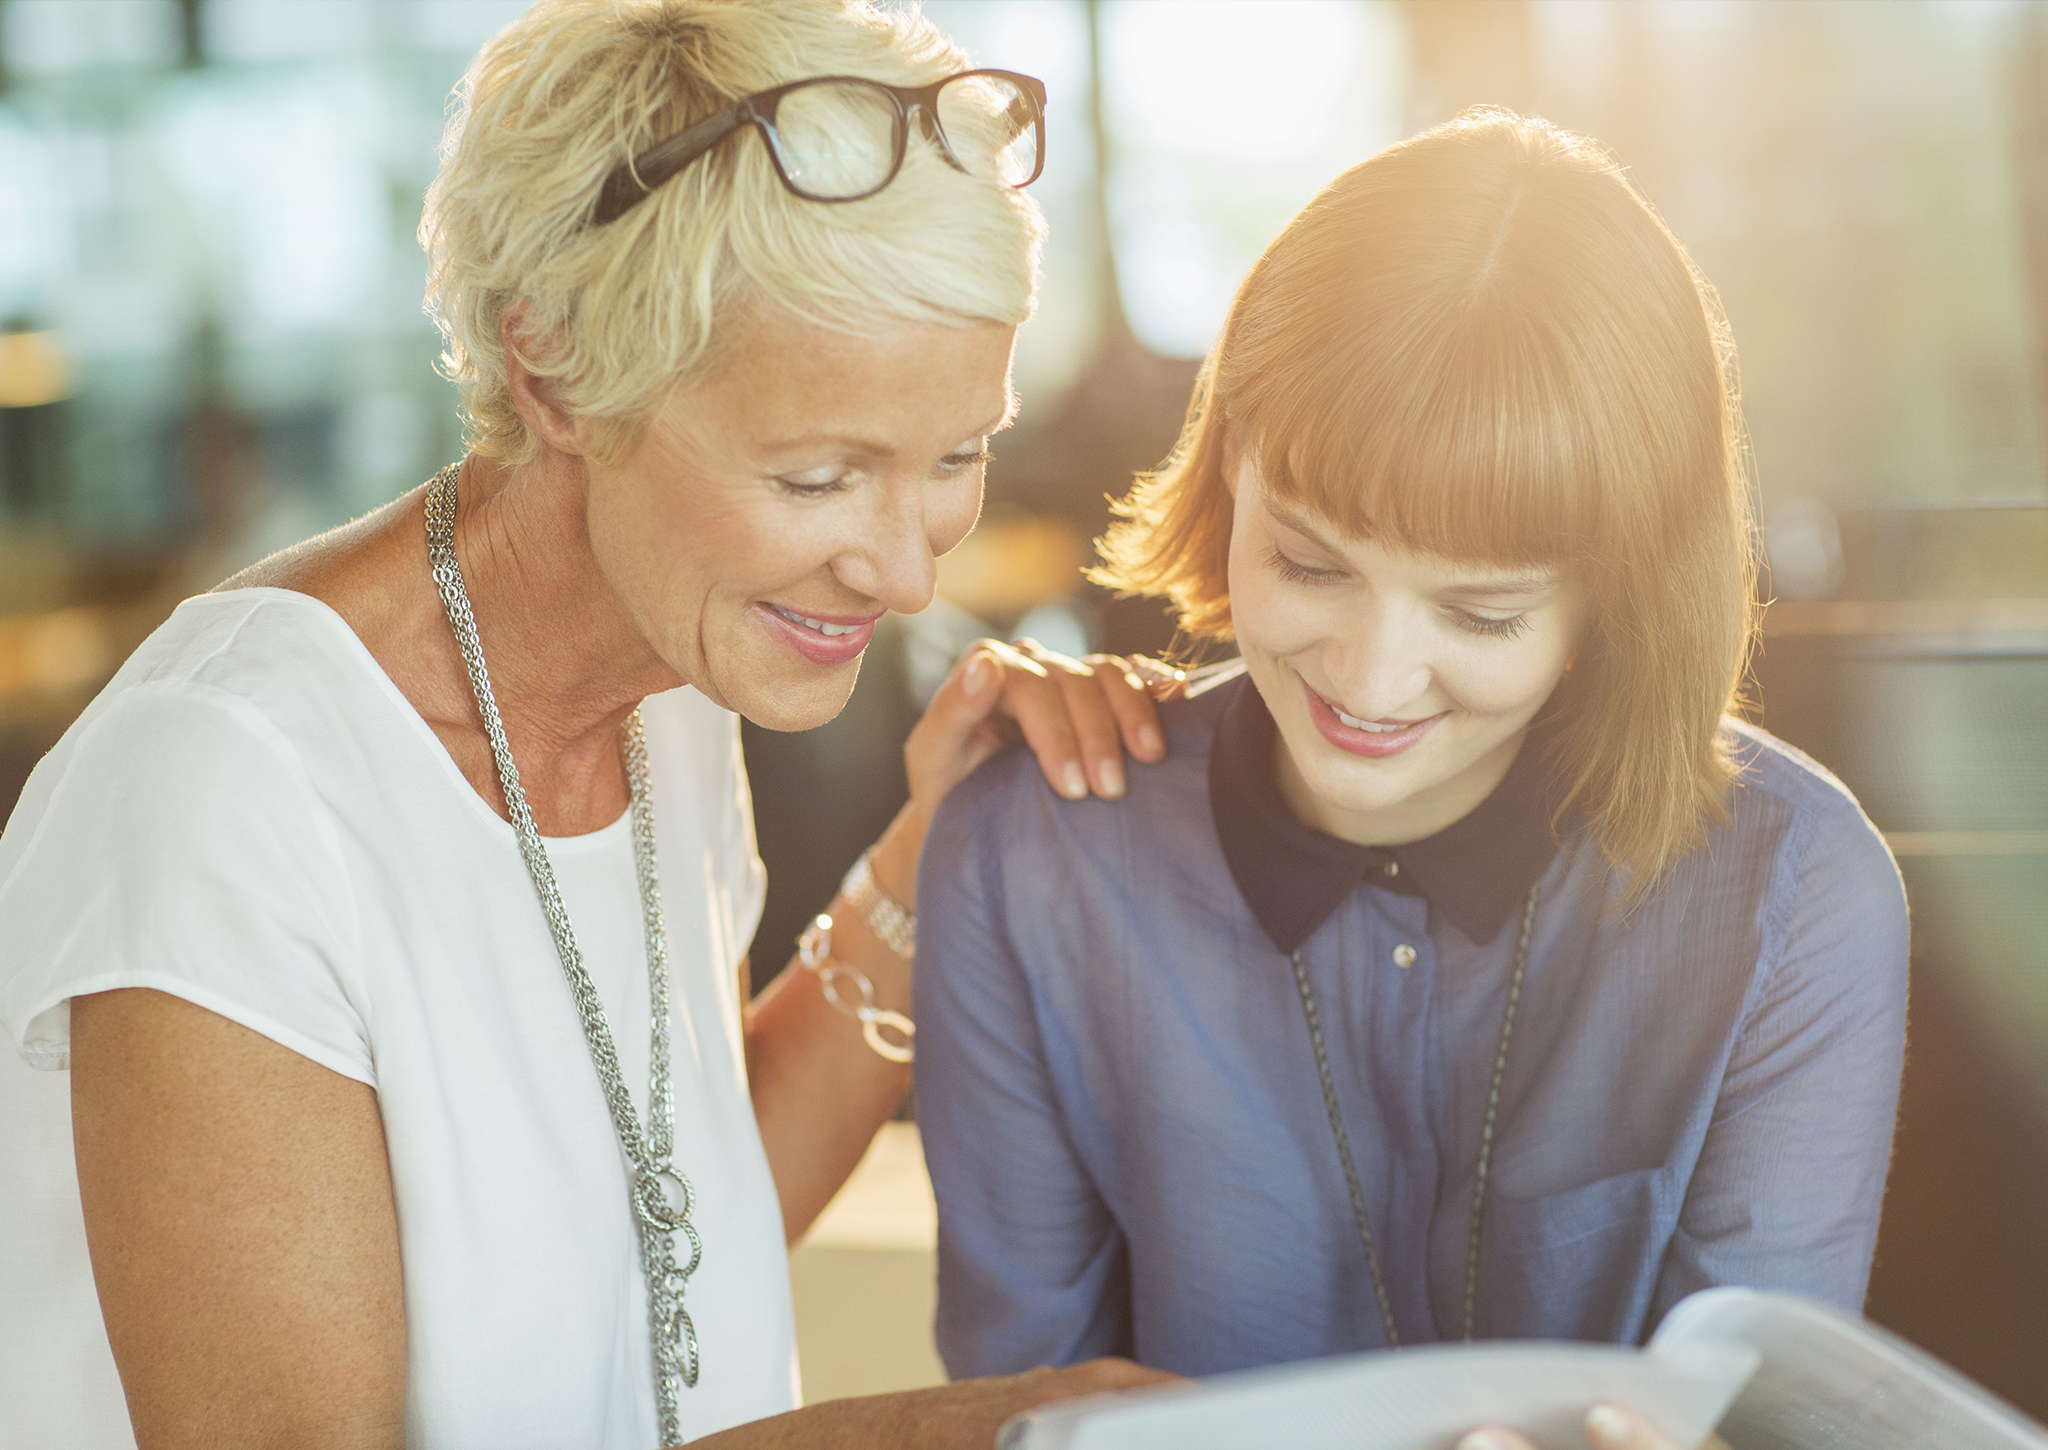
<point x="957" y="731"/>
<point x="969" y="697"/>
<point x="979" y="677"/>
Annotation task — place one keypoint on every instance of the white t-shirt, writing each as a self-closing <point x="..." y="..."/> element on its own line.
<point x="253" y="818"/>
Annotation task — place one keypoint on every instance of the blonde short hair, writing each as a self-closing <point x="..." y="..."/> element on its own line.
<point x="618" y="315"/>
<point x="1483" y="344"/>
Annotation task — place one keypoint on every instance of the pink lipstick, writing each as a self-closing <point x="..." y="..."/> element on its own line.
<point x="1376" y="739"/>
<point x="823" y="639"/>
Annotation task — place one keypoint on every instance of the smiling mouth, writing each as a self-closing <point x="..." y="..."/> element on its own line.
<point x="1376" y="727"/>
<point x="1376" y="739"/>
<point x="826" y="627"/>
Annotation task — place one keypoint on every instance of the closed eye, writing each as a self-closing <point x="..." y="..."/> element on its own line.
<point x="962" y="459"/>
<point x="1505" y="628"/>
<point x="1296" y="572"/>
<point x="804" y="485"/>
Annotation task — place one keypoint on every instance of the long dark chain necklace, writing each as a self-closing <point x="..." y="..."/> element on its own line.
<point x="1485" y="1163"/>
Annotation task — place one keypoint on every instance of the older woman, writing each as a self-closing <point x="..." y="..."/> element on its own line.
<point x="389" y="906"/>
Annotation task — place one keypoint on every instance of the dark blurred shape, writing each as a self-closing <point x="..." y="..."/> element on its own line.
<point x="35" y="381"/>
<point x="1932" y="705"/>
<point x="1962" y="1264"/>
<point x="822" y="796"/>
<point x="191" y="34"/>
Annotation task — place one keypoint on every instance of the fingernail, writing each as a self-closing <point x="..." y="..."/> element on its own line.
<point x="1111" y="775"/>
<point x="1609" y="1426"/>
<point x="1149" y="739"/>
<point x="1073" y="782"/>
<point x="976" y="676"/>
<point x="1482" y="1440"/>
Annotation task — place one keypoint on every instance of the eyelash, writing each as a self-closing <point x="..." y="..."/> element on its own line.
<point x="813" y="490"/>
<point x="1295" y="572"/>
<point x="1509" y="628"/>
<point x="1298" y="573"/>
<point x="952" y="463"/>
<point x="958" y="462"/>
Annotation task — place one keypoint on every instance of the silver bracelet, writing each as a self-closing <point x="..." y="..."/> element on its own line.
<point x="814" y="950"/>
<point x="893" y="923"/>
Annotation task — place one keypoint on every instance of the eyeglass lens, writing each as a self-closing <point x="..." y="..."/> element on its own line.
<point x="838" y="140"/>
<point x="992" y="126"/>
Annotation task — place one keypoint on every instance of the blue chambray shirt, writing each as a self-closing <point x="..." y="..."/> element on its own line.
<point x="1125" y="1127"/>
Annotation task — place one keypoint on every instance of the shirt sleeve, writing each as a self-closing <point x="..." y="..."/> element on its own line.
<point x="1790" y="1178"/>
<point x="1032" y="1265"/>
<point x="174" y="842"/>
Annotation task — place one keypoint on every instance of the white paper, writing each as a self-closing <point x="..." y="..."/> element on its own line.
<point x="1412" y="1399"/>
<point x="1830" y="1381"/>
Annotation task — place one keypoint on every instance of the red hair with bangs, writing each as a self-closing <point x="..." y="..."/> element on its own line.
<point x="1483" y="344"/>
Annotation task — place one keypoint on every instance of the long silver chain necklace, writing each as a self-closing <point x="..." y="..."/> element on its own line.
<point x="659" y="1193"/>
<point x="1500" y="1063"/>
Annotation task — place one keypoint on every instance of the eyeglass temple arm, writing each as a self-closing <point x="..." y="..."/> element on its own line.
<point x="630" y="184"/>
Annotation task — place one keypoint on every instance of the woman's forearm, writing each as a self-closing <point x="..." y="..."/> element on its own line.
<point x="820" y="1092"/>
<point x="962" y="1416"/>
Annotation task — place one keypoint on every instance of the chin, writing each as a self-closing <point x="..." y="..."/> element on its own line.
<point x="792" y="702"/>
<point x="1355" y="786"/>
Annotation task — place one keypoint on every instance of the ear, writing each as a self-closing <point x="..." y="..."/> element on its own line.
<point x="533" y="394"/>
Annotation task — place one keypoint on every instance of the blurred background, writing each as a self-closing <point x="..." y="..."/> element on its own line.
<point x="211" y="346"/>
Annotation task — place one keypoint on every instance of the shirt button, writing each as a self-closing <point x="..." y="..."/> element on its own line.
<point x="1404" y="956"/>
<point x="1393" y="868"/>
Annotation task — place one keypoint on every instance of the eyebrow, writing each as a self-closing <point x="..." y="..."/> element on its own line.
<point x="1493" y="584"/>
<point x="1506" y="584"/>
<point x="874" y="447"/>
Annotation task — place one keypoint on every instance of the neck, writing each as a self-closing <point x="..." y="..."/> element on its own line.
<point x="1418" y="817"/>
<point x="567" y="665"/>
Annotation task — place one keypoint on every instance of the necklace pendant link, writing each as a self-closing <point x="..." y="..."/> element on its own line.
<point x="661" y="1198"/>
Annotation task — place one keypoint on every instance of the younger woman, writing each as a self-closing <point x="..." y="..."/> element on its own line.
<point x="1465" y="969"/>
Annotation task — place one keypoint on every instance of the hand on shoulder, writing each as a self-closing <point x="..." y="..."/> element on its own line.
<point x="1078" y="717"/>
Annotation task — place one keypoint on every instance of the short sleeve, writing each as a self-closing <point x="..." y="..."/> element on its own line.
<point x="173" y="841"/>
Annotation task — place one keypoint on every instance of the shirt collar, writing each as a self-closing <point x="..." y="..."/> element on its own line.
<point x="1476" y="870"/>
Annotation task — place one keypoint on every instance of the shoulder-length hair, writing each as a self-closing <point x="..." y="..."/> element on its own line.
<point x="1484" y="345"/>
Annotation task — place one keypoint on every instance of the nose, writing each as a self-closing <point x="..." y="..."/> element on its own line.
<point x="893" y="564"/>
<point x="1382" y="667"/>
